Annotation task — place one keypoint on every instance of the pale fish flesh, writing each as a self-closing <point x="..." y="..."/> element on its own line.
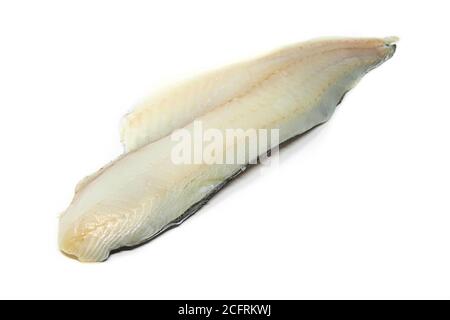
<point x="143" y="192"/>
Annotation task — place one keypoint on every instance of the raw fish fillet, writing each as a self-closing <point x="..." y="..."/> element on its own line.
<point x="143" y="192"/>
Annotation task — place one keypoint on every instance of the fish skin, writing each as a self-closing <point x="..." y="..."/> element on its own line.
<point x="136" y="196"/>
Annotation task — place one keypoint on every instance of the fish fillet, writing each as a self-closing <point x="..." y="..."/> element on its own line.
<point x="143" y="192"/>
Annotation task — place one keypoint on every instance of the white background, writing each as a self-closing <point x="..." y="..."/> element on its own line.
<point x="358" y="208"/>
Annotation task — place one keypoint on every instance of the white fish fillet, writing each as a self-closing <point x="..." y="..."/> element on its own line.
<point x="138" y="195"/>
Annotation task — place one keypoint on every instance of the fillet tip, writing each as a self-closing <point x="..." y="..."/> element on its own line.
<point x="391" y="40"/>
